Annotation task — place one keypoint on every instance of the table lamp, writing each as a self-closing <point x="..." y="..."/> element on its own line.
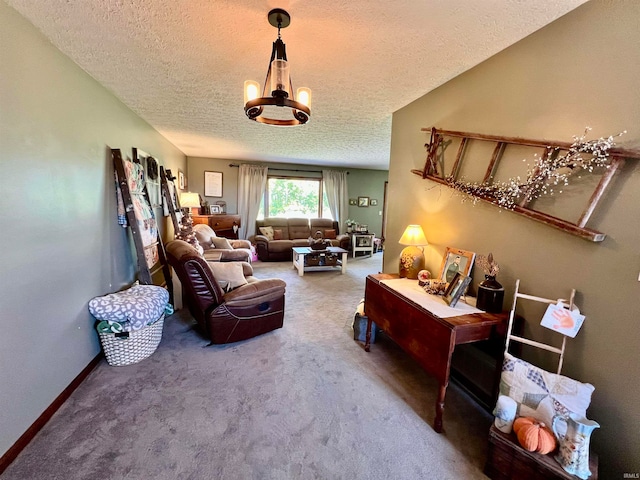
<point x="412" y="257"/>
<point x="189" y="200"/>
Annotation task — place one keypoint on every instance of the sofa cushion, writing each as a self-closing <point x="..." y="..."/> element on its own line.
<point x="330" y="233"/>
<point x="267" y="232"/>
<point x="300" y="242"/>
<point x="277" y="234"/>
<point x="220" y="242"/>
<point x="299" y="228"/>
<point x="276" y="246"/>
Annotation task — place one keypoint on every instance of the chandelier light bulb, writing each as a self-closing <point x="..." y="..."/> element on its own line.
<point x="251" y="90"/>
<point x="303" y="95"/>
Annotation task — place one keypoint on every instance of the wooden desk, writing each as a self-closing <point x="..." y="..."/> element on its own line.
<point x="224" y="225"/>
<point x="426" y="337"/>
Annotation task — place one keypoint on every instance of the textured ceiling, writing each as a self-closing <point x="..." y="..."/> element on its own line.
<point x="181" y="64"/>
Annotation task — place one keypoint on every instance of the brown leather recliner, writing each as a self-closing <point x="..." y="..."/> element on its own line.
<point x="247" y="311"/>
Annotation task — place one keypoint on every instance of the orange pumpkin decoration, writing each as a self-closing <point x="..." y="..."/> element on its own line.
<point x="534" y="436"/>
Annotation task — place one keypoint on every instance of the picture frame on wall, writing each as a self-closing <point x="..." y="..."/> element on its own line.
<point x="353" y="201"/>
<point x="454" y="261"/>
<point x="182" y="181"/>
<point x="151" y="176"/>
<point x="457" y="287"/>
<point x="373" y="202"/>
<point x="213" y="184"/>
<point x="363" y="201"/>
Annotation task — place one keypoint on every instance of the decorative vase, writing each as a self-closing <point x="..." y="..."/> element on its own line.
<point x="573" y="453"/>
<point x="490" y="295"/>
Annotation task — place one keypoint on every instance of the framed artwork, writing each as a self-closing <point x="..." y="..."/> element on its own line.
<point x="182" y="181"/>
<point x="353" y="201"/>
<point x="456" y="289"/>
<point x="212" y="184"/>
<point x="454" y="261"/>
<point x="151" y="176"/>
<point x="363" y="201"/>
<point x="214" y="209"/>
<point x="373" y="202"/>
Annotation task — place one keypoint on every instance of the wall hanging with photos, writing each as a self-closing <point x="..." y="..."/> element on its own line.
<point x="581" y="170"/>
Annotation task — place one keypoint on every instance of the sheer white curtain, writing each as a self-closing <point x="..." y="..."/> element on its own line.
<point x="252" y="182"/>
<point x="335" y="186"/>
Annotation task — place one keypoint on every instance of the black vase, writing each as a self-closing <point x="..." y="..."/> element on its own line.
<point x="490" y="295"/>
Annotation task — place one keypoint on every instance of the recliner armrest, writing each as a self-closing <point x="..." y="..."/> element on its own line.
<point x="240" y="244"/>
<point x="261" y="239"/>
<point x="255" y="292"/>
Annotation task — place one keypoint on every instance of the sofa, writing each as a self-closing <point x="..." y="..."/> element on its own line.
<point x="276" y="237"/>
<point x="219" y="248"/>
<point x="253" y="307"/>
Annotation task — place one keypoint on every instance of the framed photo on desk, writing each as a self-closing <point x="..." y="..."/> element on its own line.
<point x="454" y="261"/>
<point x="456" y="289"/>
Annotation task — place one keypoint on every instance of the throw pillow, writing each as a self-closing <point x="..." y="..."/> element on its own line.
<point x="330" y="233"/>
<point x="201" y="236"/>
<point x="221" y="242"/>
<point x="541" y="394"/>
<point x="267" y="232"/>
<point x="230" y="272"/>
<point x="277" y="234"/>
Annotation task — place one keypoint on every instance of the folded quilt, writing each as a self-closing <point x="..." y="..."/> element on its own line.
<point x="133" y="308"/>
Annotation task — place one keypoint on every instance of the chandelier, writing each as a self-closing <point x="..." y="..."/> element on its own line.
<point x="278" y="89"/>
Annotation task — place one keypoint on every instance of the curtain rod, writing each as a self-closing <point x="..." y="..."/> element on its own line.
<point x="285" y="169"/>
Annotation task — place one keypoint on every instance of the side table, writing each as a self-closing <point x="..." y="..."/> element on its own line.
<point x="362" y="242"/>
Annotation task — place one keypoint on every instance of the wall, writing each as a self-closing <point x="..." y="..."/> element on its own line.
<point x="60" y="243"/>
<point x="582" y="70"/>
<point x="361" y="182"/>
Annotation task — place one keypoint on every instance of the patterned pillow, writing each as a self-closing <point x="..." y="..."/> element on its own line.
<point x="541" y="394"/>
<point x="330" y="233"/>
<point x="267" y="232"/>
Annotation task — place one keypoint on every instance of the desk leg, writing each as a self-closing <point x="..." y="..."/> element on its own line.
<point x="437" y="422"/>
<point x="367" y="338"/>
<point x="344" y="263"/>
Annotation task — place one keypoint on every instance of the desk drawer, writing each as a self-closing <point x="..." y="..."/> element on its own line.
<point x="222" y="224"/>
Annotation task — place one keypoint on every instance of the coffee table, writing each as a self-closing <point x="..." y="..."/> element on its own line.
<point x="300" y="252"/>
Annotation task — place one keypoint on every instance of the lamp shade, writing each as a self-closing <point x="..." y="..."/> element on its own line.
<point x="413" y="235"/>
<point x="189" y="200"/>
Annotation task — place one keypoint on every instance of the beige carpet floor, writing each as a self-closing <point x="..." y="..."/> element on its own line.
<point x="302" y="402"/>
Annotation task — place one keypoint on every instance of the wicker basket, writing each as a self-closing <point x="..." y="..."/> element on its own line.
<point x="312" y="260"/>
<point x="331" y="259"/>
<point x="127" y="348"/>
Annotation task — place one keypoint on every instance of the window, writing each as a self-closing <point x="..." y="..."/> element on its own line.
<point x="294" y="197"/>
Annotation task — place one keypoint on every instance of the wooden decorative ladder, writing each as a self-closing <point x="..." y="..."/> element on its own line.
<point x="579" y="228"/>
<point x="145" y="274"/>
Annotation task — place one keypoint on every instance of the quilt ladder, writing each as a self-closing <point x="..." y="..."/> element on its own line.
<point x="526" y="341"/>
<point x="145" y="273"/>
